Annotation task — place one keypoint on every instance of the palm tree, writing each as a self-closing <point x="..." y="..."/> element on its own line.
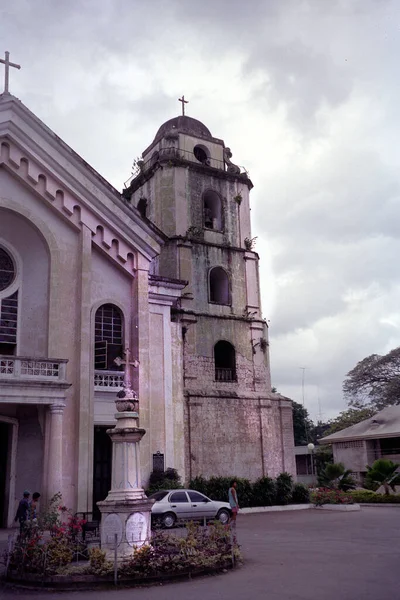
<point x="383" y="472"/>
<point x="336" y="476"/>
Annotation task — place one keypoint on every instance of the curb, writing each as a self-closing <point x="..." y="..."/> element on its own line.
<point x="275" y="508"/>
<point x="339" y="507"/>
<point x="390" y="504"/>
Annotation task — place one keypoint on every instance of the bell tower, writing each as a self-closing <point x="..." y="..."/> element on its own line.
<point x="188" y="186"/>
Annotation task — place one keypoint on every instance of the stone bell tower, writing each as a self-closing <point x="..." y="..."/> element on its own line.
<point x="189" y="188"/>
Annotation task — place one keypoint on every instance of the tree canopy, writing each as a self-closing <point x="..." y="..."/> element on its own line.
<point x="302" y="425"/>
<point x="349" y="417"/>
<point x="374" y="381"/>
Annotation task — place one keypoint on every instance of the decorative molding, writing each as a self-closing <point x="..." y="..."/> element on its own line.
<point x="68" y="204"/>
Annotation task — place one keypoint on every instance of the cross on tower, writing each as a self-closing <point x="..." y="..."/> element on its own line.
<point x="183" y="104"/>
<point x="8" y="64"/>
<point x="128" y="364"/>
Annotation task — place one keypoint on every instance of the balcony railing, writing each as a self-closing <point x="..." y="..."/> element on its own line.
<point x="33" y="369"/>
<point x="172" y="154"/>
<point x="225" y="374"/>
<point x="108" y="381"/>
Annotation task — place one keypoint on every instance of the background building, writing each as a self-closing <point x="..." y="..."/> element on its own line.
<point x="362" y="444"/>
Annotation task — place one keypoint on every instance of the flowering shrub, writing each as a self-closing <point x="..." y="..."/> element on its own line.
<point x="328" y="496"/>
<point x="201" y="548"/>
<point x="38" y="552"/>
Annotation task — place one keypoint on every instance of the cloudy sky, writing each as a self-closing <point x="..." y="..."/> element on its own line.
<point x="307" y="96"/>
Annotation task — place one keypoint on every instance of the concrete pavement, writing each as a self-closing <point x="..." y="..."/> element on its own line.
<point x="299" y="555"/>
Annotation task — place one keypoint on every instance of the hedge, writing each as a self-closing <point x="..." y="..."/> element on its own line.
<point x="263" y="492"/>
<point x="361" y="496"/>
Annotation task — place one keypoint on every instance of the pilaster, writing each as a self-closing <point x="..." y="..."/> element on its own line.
<point x="85" y="379"/>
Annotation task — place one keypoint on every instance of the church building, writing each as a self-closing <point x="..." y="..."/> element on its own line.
<point x="166" y="268"/>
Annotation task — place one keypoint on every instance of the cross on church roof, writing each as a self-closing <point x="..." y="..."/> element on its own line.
<point x="183" y="104"/>
<point x="8" y="64"/>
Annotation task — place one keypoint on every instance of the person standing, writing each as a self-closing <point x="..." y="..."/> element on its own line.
<point x="33" y="505"/>
<point x="234" y="504"/>
<point x="23" y="511"/>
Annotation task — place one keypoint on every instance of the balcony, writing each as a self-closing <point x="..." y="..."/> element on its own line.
<point x="108" y="381"/>
<point x="19" y="368"/>
<point x="29" y="380"/>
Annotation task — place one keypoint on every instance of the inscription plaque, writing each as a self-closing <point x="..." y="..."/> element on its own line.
<point x="136" y="529"/>
<point x="111" y="525"/>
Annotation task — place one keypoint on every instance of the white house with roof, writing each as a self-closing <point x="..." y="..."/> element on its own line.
<point x="365" y="442"/>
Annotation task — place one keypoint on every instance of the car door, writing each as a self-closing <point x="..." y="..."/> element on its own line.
<point x="201" y="506"/>
<point x="180" y="505"/>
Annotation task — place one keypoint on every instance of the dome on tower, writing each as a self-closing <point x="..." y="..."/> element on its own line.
<point x="184" y="124"/>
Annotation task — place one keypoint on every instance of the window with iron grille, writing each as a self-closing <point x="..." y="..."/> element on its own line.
<point x="108" y="335"/>
<point x="7" y="270"/>
<point x="8" y="324"/>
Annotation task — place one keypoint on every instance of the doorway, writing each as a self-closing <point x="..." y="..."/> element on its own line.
<point x="101" y="467"/>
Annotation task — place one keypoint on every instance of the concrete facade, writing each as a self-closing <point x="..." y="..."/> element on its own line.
<point x="77" y="247"/>
<point x="234" y="424"/>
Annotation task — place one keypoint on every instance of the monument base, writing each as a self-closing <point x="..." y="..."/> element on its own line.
<point x="125" y="522"/>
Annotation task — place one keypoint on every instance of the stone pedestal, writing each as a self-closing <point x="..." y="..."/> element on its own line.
<point x="126" y="512"/>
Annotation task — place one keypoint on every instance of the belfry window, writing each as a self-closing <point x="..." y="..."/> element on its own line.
<point x="202" y="154"/>
<point x="108" y="336"/>
<point x="219" y="291"/>
<point x="225" y="361"/>
<point x="212" y="211"/>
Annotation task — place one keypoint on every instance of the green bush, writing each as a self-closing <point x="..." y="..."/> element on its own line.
<point x="284" y="488"/>
<point x="264" y="492"/>
<point x="164" y="480"/>
<point x="361" y="496"/>
<point x="301" y="494"/>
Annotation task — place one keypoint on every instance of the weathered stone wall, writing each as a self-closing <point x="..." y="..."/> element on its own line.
<point x="240" y="436"/>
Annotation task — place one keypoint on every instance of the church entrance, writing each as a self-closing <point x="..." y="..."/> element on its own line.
<point x="101" y="467"/>
<point x="5" y="438"/>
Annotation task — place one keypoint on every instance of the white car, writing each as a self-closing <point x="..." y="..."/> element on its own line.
<point x="171" y="505"/>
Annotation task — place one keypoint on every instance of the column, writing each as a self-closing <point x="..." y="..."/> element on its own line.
<point x="54" y="478"/>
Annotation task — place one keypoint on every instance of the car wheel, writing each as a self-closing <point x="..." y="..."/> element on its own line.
<point x="168" y="520"/>
<point x="223" y="516"/>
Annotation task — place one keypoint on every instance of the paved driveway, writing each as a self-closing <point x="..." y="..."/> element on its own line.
<point x="302" y="555"/>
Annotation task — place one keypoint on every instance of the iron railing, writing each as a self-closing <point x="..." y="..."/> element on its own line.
<point x="176" y="154"/>
<point x="225" y="374"/>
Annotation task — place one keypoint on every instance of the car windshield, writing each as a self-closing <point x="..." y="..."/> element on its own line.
<point x="157" y="496"/>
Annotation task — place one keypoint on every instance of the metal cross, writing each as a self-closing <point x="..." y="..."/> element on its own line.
<point x="183" y="104"/>
<point x="7" y="64"/>
<point x="128" y="363"/>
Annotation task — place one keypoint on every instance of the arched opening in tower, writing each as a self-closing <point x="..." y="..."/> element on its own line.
<point x="225" y="361"/>
<point x="212" y="210"/>
<point x="219" y="286"/>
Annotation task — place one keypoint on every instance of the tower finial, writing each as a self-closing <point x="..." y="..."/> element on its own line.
<point x="183" y="104"/>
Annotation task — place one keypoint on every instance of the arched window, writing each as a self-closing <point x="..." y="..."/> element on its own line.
<point x="108" y="337"/>
<point x="212" y="211"/>
<point x="8" y="305"/>
<point x="225" y="361"/>
<point x="219" y="286"/>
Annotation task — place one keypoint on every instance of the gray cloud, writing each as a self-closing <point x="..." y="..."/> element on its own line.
<point x="304" y="92"/>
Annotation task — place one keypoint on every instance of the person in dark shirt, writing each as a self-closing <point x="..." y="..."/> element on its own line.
<point x="23" y="511"/>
